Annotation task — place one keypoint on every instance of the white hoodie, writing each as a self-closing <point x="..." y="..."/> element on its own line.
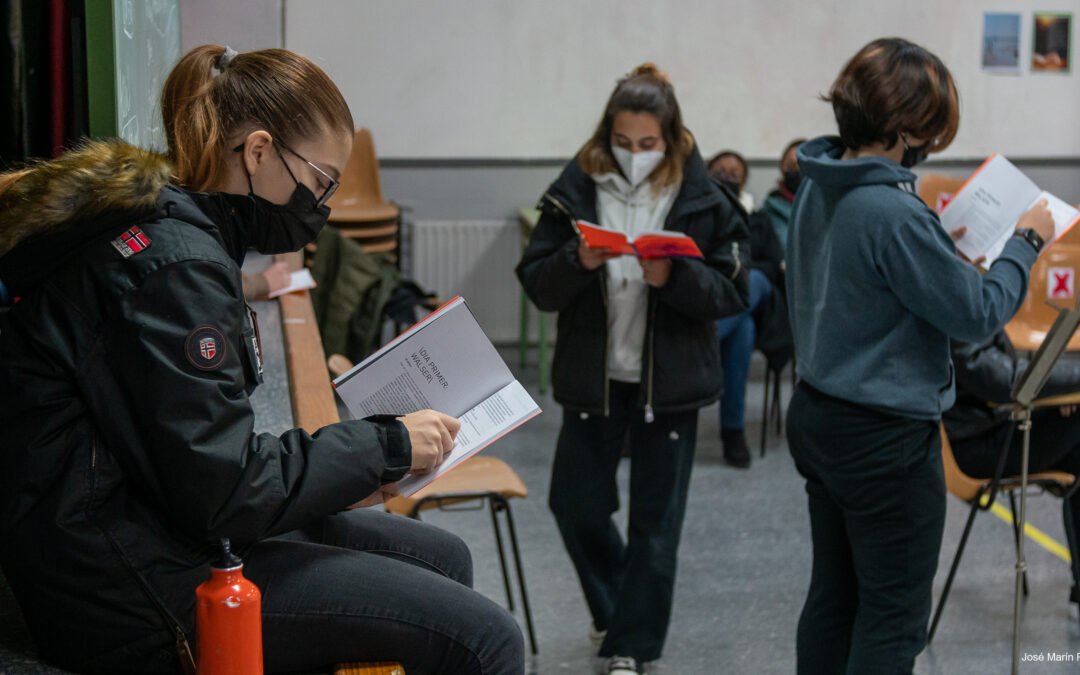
<point x="631" y="211"/>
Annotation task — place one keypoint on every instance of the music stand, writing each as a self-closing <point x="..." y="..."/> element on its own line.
<point x="1023" y="394"/>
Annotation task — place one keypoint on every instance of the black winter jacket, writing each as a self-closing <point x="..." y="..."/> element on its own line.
<point x="985" y="375"/>
<point x="681" y="363"/>
<point x="126" y="435"/>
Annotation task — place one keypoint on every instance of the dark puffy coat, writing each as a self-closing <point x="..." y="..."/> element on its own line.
<point x="681" y="364"/>
<point x="126" y="435"/>
<point x="986" y="373"/>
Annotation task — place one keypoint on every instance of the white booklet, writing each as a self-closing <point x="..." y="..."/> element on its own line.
<point x="991" y="202"/>
<point x="444" y="363"/>
<point x="298" y="281"/>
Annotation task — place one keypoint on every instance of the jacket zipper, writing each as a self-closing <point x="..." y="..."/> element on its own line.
<point x="183" y="647"/>
<point x="738" y="262"/>
<point x="649" y="416"/>
<point x="603" y="297"/>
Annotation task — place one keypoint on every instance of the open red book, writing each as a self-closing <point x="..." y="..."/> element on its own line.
<point x="661" y="244"/>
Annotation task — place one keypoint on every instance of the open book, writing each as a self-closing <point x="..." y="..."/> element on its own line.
<point x="660" y="244"/>
<point x="991" y="202"/>
<point x="444" y="363"/>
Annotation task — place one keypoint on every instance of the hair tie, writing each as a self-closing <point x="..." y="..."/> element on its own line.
<point x="225" y="59"/>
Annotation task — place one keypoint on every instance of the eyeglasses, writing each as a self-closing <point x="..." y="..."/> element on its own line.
<point x="331" y="183"/>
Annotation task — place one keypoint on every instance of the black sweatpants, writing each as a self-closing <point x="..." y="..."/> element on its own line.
<point x="876" y="493"/>
<point x="629" y="585"/>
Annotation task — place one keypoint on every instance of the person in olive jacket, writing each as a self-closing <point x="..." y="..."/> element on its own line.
<point x="127" y="442"/>
<point x="636" y="352"/>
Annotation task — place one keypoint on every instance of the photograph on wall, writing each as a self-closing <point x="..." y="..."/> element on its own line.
<point x="1050" y="47"/>
<point x="1001" y="42"/>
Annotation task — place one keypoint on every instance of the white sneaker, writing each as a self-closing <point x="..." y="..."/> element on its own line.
<point x="623" y="665"/>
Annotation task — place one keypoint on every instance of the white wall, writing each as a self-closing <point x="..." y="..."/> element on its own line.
<point x="528" y="78"/>
<point x="241" y="24"/>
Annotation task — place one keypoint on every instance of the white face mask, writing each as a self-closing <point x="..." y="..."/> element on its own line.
<point x="637" y="166"/>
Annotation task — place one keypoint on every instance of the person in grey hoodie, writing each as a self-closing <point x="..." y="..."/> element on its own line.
<point x="876" y="291"/>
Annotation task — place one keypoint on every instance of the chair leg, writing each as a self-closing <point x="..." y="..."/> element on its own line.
<point x="953" y="568"/>
<point x="523" y="332"/>
<point x="493" y="507"/>
<point x="542" y="352"/>
<point x="520" y="573"/>
<point x="1017" y="534"/>
<point x="777" y="408"/>
<point x="765" y="413"/>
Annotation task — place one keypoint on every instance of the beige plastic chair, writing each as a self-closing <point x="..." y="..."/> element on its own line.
<point x="485" y="479"/>
<point x="973" y="490"/>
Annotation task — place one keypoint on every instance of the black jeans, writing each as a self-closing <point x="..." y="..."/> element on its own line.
<point x="628" y="586"/>
<point x="1055" y="444"/>
<point x="366" y="585"/>
<point x="876" y="492"/>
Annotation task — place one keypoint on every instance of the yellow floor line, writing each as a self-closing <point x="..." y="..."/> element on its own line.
<point x="1035" y="534"/>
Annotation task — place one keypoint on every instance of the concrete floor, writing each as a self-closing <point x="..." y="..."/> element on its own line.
<point x="745" y="565"/>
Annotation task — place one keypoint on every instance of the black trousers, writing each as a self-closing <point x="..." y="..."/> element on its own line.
<point x="1055" y="444"/>
<point x="628" y="585"/>
<point x="876" y="493"/>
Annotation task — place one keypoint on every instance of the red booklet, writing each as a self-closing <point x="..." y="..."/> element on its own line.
<point x="662" y="244"/>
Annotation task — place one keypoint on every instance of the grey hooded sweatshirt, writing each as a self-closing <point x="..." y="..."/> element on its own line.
<point x="876" y="289"/>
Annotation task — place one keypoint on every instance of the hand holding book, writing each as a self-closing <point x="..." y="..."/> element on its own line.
<point x="1038" y="218"/>
<point x="431" y="434"/>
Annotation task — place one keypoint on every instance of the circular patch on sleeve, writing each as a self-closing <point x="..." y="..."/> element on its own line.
<point x="205" y="347"/>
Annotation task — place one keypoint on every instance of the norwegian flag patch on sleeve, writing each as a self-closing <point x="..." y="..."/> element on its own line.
<point x="205" y="347"/>
<point x="131" y="242"/>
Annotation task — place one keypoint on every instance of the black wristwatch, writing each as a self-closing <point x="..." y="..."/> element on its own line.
<point x="1032" y="237"/>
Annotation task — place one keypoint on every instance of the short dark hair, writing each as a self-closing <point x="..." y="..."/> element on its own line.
<point x="892" y="86"/>
<point x="730" y="153"/>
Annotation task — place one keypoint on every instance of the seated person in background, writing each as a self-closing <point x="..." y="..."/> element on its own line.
<point x="738" y="334"/>
<point x="778" y="204"/>
<point x="985" y="373"/>
<point x="260" y="285"/>
<point x="731" y="169"/>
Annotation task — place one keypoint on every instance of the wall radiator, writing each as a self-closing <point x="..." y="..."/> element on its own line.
<point x="474" y="259"/>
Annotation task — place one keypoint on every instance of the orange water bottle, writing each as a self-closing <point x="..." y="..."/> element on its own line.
<point x="228" y="620"/>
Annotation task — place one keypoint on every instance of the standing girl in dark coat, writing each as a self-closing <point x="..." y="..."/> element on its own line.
<point x="636" y="353"/>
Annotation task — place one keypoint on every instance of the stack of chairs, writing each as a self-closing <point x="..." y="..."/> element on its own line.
<point x="358" y="208"/>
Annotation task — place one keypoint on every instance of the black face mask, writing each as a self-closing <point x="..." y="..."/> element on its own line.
<point x="791" y="180"/>
<point x="913" y="156"/>
<point x="726" y="181"/>
<point x="284" y="228"/>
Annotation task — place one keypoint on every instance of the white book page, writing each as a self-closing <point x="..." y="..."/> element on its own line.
<point x="444" y="363"/>
<point x="298" y="281"/>
<point x="492" y="418"/>
<point x="1064" y="214"/>
<point x="989" y="206"/>
<point x="1064" y="217"/>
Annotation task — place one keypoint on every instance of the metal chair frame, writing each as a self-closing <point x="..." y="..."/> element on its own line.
<point x="497" y="503"/>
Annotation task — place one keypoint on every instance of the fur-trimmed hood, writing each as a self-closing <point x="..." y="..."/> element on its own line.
<point x="94" y="179"/>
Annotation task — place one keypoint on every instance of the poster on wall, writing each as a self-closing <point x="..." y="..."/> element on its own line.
<point x="1050" y="48"/>
<point x="1001" y="42"/>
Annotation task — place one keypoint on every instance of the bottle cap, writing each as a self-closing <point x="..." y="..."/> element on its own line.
<point x="228" y="560"/>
